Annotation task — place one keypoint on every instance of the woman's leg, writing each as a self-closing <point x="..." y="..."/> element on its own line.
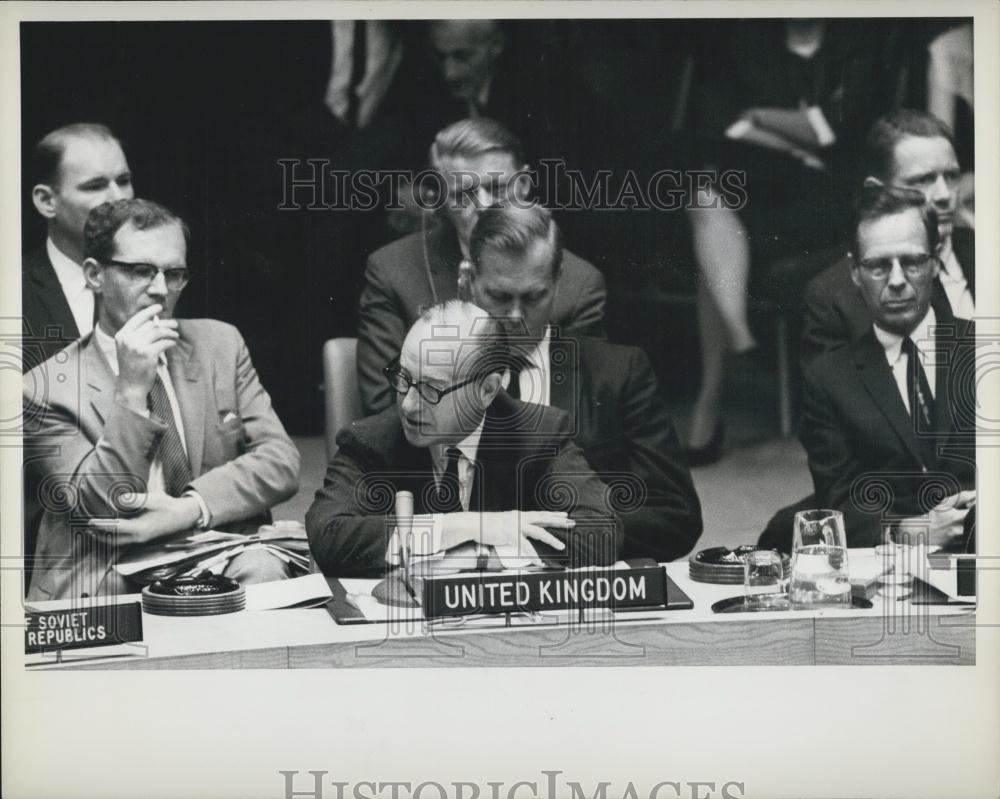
<point x="722" y="253"/>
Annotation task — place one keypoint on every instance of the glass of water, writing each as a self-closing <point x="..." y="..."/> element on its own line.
<point x="763" y="577"/>
<point x="819" y="576"/>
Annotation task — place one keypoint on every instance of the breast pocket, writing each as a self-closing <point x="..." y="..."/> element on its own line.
<point x="228" y="440"/>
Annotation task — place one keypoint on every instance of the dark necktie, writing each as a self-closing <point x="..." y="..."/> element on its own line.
<point x="449" y="491"/>
<point x="919" y="390"/>
<point x="176" y="467"/>
<point x="514" y="386"/>
<point x="359" y="59"/>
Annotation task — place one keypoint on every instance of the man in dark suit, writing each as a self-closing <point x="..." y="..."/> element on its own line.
<point x="889" y="420"/>
<point x="74" y="168"/>
<point x="617" y="415"/>
<point x="909" y="149"/>
<point x="149" y="426"/>
<point x="479" y="162"/>
<point x="485" y="470"/>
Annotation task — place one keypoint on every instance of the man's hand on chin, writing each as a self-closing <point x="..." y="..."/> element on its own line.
<point x="152" y="516"/>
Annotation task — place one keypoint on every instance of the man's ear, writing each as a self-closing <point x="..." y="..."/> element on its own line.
<point x="872" y="182"/>
<point x="855" y="272"/>
<point x="489" y="388"/>
<point x="94" y="275"/>
<point x="44" y="198"/>
<point x="522" y="183"/>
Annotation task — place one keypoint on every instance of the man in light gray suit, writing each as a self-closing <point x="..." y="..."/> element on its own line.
<point x="149" y="426"/>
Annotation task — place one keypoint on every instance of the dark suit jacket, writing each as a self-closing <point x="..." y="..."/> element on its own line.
<point x="835" y="313"/>
<point x="526" y="461"/>
<point x="47" y="322"/>
<point x="87" y="448"/>
<point x="621" y="423"/>
<point x="420" y="270"/>
<point x="864" y="453"/>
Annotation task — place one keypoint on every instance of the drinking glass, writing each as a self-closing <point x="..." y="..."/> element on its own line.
<point x="762" y="574"/>
<point x="819" y="576"/>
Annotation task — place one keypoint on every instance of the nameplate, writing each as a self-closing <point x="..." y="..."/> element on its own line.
<point x="536" y="592"/>
<point x="105" y="625"/>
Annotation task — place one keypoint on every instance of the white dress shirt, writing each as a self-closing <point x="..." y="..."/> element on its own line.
<point x="155" y="482"/>
<point x="955" y="286"/>
<point x="923" y="339"/>
<point x="74" y="287"/>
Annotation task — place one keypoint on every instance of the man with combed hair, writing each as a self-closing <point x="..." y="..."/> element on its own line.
<point x="150" y="425"/>
<point x="618" y="417"/>
<point x="889" y="421"/>
<point x="73" y="169"/>
<point x="491" y="477"/>
<point x="479" y="162"/>
<point x="907" y="149"/>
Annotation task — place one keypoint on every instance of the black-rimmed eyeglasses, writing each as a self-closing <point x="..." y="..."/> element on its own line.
<point x="175" y="278"/>
<point x="400" y="381"/>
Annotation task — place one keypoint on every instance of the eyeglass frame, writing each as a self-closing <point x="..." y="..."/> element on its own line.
<point x="909" y="269"/>
<point x="394" y="368"/>
<point x="130" y="266"/>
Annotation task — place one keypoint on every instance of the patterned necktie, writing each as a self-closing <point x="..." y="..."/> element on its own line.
<point x="919" y="390"/>
<point x="176" y="467"/>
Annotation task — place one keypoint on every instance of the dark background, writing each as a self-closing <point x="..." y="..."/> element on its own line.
<point x="205" y="109"/>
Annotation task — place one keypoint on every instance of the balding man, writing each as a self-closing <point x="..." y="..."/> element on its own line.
<point x="74" y="168"/>
<point x="490" y="475"/>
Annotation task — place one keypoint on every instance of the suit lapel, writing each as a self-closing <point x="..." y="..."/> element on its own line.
<point x="876" y="375"/>
<point x="963" y="243"/>
<point x="442" y="255"/>
<point x="49" y="294"/>
<point x="99" y="378"/>
<point x="189" y="386"/>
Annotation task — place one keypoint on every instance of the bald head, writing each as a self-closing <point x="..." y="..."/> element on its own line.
<point x="453" y="357"/>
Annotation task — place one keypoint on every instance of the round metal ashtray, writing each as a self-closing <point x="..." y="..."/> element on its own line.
<point x="194" y="596"/>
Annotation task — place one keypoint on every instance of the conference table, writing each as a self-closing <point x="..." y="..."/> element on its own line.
<point x="890" y="632"/>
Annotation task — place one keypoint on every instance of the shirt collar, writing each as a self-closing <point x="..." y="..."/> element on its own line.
<point x="68" y="271"/>
<point x="107" y="346"/>
<point x="538" y="356"/>
<point x="892" y="343"/>
<point x="468" y="446"/>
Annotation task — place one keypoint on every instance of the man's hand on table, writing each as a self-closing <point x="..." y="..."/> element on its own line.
<point x="159" y="514"/>
<point x="945" y="523"/>
<point x="504" y="529"/>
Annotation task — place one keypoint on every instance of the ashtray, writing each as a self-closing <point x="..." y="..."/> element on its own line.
<point x="210" y="595"/>
<point x="724" y="566"/>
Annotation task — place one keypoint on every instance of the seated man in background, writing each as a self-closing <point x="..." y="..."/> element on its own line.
<point x="480" y="162"/>
<point x="907" y="149"/>
<point x="485" y="470"/>
<point x="617" y="415"/>
<point x="74" y="168"/>
<point x="889" y="421"/>
<point x="149" y="426"/>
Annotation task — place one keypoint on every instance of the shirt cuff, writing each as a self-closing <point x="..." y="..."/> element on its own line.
<point x="205" y="519"/>
<point x="424" y="540"/>
<point x="824" y="133"/>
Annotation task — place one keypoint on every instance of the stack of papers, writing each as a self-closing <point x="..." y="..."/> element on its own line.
<point x="209" y="552"/>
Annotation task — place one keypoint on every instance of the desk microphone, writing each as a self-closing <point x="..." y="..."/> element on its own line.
<point x="404" y="529"/>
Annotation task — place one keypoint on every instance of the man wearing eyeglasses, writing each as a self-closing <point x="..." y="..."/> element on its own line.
<point x="492" y="478"/>
<point x="889" y="422"/>
<point x="149" y="426"/>
<point x="907" y="149"/>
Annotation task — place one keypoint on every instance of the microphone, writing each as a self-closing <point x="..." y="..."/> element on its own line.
<point x="404" y="529"/>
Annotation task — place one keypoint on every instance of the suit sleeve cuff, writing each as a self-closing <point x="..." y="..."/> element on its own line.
<point x="824" y="133"/>
<point x="424" y="541"/>
<point x="205" y="519"/>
